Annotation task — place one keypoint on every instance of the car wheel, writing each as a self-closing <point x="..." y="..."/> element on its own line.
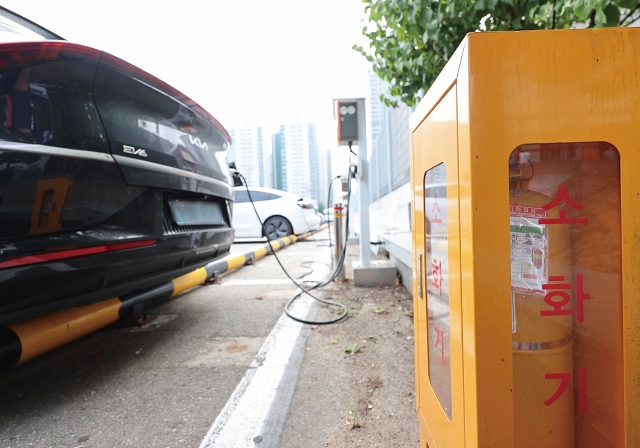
<point x="277" y="227"/>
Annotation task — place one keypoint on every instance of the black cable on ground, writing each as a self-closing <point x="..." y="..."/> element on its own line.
<point x="305" y="264"/>
<point x="304" y="289"/>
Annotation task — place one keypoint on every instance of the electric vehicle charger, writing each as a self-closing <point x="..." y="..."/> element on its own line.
<point x="328" y="202"/>
<point x="305" y="289"/>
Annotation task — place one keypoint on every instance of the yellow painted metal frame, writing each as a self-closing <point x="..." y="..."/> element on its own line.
<point x="439" y="132"/>
<point x="516" y="88"/>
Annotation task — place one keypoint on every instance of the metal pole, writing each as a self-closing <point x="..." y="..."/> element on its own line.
<point x="338" y="225"/>
<point x="387" y="114"/>
<point x="363" y="179"/>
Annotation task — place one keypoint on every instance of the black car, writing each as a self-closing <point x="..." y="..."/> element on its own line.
<point x="111" y="181"/>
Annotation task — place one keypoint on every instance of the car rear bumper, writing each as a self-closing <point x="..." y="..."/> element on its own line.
<point x="38" y="289"/>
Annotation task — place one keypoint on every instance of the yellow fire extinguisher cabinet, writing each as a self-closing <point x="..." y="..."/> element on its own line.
<point x="525" y="171"/>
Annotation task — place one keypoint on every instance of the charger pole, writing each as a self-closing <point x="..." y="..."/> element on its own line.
<point x="363" y="181"/>
<point x="352" y="129"/>
<point x="340" y="240"/>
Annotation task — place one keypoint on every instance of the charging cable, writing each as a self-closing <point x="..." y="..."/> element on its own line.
<point x="351" y="150"/>
<point x="305" y="289"/>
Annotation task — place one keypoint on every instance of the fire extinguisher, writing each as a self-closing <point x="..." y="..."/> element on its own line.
<point x="541" y="344"/>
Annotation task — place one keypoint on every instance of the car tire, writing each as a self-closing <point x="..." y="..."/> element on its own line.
<point x="277" y="227"/>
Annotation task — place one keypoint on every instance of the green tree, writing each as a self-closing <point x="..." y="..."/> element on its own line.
<point x="410" y="41"/>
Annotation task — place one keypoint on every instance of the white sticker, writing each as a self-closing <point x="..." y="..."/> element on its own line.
<point x="529" y="250"/>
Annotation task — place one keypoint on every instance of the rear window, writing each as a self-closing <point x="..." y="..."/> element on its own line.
<point x="263" y="196"/>
<point x="140" y="116"/>
<point x="257" y="196"/>
<point x="241" y="196"/>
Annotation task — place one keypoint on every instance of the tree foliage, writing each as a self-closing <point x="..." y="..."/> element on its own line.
<point x="410" y="41"/>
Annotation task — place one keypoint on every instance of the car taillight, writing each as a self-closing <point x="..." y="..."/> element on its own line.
<point x="305" y="206"/>
<point x="72" y="253"/>
<point x="17" y="55"/>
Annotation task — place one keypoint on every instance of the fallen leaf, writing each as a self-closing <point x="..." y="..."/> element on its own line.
<point x="333" y="341"/>
<point x="353" y="349"/>
<point x="259" y="298"/>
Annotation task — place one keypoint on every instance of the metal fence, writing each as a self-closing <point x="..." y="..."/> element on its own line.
<point x="389" y="163"/>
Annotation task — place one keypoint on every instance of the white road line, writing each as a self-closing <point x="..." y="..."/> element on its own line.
<point x="245" y="414"/>
<point x="265" y="281"/>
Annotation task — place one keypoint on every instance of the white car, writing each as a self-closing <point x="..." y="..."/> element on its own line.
<point x="327" y="215"/>
<point x="282" y="213"/>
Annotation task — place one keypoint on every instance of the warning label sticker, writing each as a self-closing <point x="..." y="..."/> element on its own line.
<point x="529" y="249"/>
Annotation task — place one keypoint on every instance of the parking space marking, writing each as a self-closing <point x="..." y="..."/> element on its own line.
<point x="264" y="281"/>
<point x="241" y="421"/>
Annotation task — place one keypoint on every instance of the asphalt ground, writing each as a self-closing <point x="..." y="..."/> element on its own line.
<point x="180" y="380"/>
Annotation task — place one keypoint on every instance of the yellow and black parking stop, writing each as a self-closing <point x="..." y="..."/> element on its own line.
<point x="25" y="340"/>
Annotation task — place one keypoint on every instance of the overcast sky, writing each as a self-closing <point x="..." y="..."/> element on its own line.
<point x="250" y="62"/>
